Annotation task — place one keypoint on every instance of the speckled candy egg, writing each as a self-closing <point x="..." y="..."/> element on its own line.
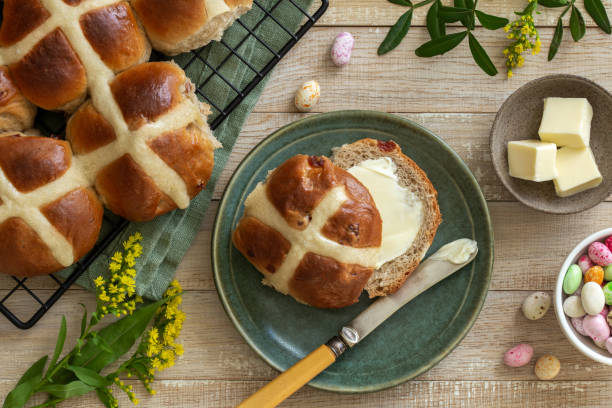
<point x="342" y="49"/>
<point x="577" y="322"/>
<point x="608" y="273"/>
<point x="547" y="367"/>
<point x="608" y="242"/>
<point x="594" y="274"/>
<point x="572" y="306"/>
<point x="593" y="299"/>
<point x="307" y="96"/>
<point x="584" y="262"/>
<point x="518" y="355"/>
<point x="536" y="305"/>
<point x="572" y="279"/>
<point x="596" y="327"/>
<point x="600" y="254"/>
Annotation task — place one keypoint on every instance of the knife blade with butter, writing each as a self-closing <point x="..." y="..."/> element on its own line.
<point x="446" y="261"/>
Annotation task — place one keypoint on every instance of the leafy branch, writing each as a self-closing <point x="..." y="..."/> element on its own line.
<point x="522" y="30"/>
<point x="438" y="17"/>
<point x="79" y="371"/>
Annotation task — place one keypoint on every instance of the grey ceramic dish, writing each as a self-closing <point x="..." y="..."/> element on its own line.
<point x="282" y="331"/>
<point x="519" y="118"/>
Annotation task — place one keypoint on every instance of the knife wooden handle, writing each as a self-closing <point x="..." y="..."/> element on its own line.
<point x="291" y="380"/>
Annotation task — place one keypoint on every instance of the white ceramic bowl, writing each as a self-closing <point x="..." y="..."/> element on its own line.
<point x="584" y="344"/>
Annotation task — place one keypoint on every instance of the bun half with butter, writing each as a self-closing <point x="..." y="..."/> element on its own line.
<point x="324" y="230"/>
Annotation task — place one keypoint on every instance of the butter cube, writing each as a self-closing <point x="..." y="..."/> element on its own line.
<point x="566" y="122"/>
<point x="532" y="160"/>
<point x="576" y="171"/>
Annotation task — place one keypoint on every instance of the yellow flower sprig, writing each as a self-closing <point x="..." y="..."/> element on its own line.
<point x="526" y="38"/>
<point x="117" y="295"/>
<point x="158" y="349"/>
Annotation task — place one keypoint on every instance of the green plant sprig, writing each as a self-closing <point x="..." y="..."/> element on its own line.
<point x="438" y="16"/>
<point x="80" y="370"/>
<point x="594" y="8"/>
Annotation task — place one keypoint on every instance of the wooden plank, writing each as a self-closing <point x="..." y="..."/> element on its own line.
<point x="507" y="394"/>
<point x="517" y="267"/>
<point x="403" y="82"/>
<point x="215" y="350"/>
<point x="382" y="13"/>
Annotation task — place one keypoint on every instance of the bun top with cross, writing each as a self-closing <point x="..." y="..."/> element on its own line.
<point x="313" y="231"/>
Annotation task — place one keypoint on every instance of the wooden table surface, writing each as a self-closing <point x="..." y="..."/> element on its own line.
<point x="453" y="98"/>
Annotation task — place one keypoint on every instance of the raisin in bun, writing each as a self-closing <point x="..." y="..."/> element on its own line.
<point x="49" y="218"/>
<point x="313" y="231"/>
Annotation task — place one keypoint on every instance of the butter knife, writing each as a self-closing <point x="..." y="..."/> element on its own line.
<point x="446" y="261"/>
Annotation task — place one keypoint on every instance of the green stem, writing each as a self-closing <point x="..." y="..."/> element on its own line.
<point x="49" y="403"/>
<point x="567" y="9"/>
<point x="423" y="3"/>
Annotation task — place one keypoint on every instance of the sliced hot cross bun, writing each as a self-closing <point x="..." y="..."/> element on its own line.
<point x="49" y="218"/>
<point x="323" y="232"/>
<point x="57" y="49"/>
<point x="176" y="26"/>
<point x="147" y="149"/>
<point x="313" y="231"/>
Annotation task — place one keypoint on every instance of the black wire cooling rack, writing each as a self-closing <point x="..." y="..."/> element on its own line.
<point x="260" y="22"/>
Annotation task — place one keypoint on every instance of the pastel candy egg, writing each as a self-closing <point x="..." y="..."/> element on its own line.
<point x="600" y="254"/>
<point x="307" y="96"/>
<point x="577" y="322"/>
<point x="604" y="311"/>
<point x="584" y="262"/>
<point x="547" y="367"/>
<point x="608" y="273"/>
<point x="342" y="49"/>
<point x="593" y="299"/>
<point x="608" y="242"/>
<point x="572" y="306"/>
<point x="572" y="279"/>
<point x="594" y="274"/>
<point x="518" y="355"/>
<point x="609" y="345"/>
<point x="596" y="327"/>
<point x="536" y="305"/>
<point x="607" y="291"/>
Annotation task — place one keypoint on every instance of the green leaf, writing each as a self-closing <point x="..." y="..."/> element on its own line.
<point x="64" y="391"/>
<point x="468" y="20"/>
<point x="396" y="34"/>
<point x="552" y="3"/>
<point x="119" y="336"/>
<point x="577" y="26"/>
<point x="59" y="345"/>
<point x="469" y="4"/>
<point x="491" y="22"/>
<point x="453" y="14"/>
<point x="406" y="3"/>
<point x="597" y="11"/>
<point x="89" y="377"/>
<point x="34" y="373"/>
<point x="19" y="396"/>
<point x="440" y="45"/>
<point x="556" y="40"/>
<point x="101" y="343"/>
<point x="435" y="25"/>
<point x="481" y="57"/>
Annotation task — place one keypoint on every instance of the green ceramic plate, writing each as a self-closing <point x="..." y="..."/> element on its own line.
<point x="282" y="331"/>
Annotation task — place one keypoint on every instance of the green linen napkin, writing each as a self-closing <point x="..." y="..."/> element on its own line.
<point x="167" y="238"/>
